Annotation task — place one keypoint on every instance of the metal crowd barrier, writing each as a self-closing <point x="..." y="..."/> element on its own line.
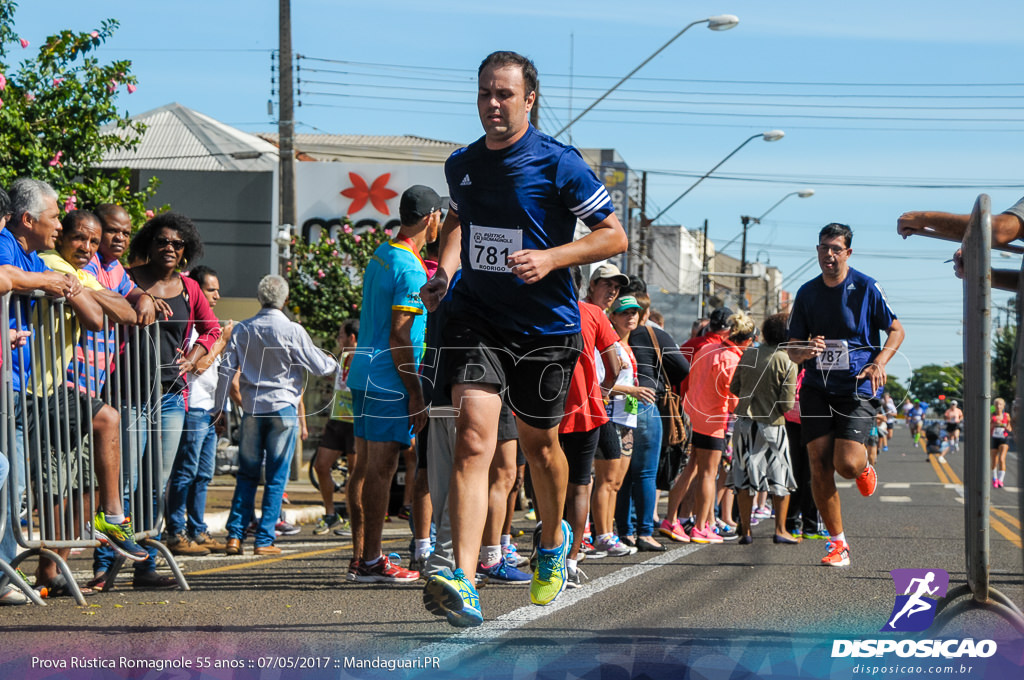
<point x="976" y="249"/>
<point x="52" y="483"/>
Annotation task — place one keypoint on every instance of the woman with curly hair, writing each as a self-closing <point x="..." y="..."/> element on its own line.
<point x="765" y="383"/>
<point x="708" y="402"/>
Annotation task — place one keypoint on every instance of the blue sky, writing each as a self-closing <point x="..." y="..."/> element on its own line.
<point x="943" y="76"/>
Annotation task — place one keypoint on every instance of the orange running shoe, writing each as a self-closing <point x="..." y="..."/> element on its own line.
<point x="867" y="481"/>
<point x="838" y="555"/>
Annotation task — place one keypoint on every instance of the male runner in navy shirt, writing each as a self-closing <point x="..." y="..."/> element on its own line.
<point x="834" y="331"/>
<point x="514" y="330"/>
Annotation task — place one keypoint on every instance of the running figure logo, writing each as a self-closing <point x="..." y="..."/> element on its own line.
<point x="917" y="592"/>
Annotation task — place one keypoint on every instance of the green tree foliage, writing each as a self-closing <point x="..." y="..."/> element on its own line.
<point x="1004" y="380"/>
<point x="325" y="278"/>
<point x="931" y="380"/>
<point x="895" y="389"/>
<point x="58" y="116"/>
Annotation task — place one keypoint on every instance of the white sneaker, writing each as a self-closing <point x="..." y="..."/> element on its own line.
<point x="12" y="595"/>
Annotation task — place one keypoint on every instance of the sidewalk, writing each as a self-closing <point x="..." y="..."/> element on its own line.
<point x="304" y="507"/>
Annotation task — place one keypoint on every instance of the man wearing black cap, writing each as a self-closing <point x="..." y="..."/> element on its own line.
<point x="387" y="397"/>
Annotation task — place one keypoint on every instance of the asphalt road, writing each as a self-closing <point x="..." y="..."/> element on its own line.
<point x="764" y="610"/>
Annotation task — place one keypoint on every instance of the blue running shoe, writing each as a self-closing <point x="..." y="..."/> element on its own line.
<point x="450" y="594"/>
<point x="120" y="537"/>
<point x="551" y="576"/>
<point x="502" y="572"/>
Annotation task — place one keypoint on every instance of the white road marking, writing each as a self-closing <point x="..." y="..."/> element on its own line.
<point x="894" y="499"/>
<point x="896" y="485"/>
<point x="491" y="630"/>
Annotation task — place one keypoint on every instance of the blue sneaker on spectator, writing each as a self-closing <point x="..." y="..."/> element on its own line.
<point x="502" y="572"/>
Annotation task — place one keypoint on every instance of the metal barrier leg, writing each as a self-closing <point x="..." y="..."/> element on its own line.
<point x="11" y="575"/>
<point x="1010" y="613"/>
<point x="175" y="569"/>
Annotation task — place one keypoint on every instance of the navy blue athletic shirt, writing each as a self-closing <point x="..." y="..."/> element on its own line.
<point x="854" y="312"/>
<point x="533" y="192"/>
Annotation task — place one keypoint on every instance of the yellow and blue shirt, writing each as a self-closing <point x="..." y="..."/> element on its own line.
<point x="392" y="282"/>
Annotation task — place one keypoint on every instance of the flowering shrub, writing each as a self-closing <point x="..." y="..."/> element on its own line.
<point x="52" y="108"/>
<point x="326" y="278"/>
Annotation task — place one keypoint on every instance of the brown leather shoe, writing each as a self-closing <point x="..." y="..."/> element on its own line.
<point x="183" y="545"/>
<point x="266" y="550"/>
<point x="234" y="546"/>
<point x="205" y="540"/>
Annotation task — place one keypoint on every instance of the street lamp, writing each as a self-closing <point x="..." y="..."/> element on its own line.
<point x="770" y="136"/>
<point x="746" y="220"/>
<point x="721" y="22"/>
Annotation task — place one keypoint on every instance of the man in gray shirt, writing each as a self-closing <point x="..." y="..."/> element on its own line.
<point x="272" y="355"/>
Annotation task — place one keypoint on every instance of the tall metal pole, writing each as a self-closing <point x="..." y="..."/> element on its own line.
<point x="704" y="280"/>
<point x="644" y="222"/>
<point x="746" y="219"/>
<point x="286" y="117"/>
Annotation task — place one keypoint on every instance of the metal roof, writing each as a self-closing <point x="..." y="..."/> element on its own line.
<point x="178" y="138"/>
<point x="370" y="148"/>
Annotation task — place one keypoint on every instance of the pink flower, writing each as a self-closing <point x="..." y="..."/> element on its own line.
<point x="150" y="214"/>
<point x="69" y="204"/>
<point x="330" y="241"/>
<point x="1" y="103"/>
<point x="131" y="88"/>
<point x="371" y="230"/>
<point x="112" y="86"/>
<point x="95" y="34"/>
<point x="334" y="253"/>
<point x="3" y="81"/>
<point x="57" y="82"/>
<point x="387" y="232"/>
<point x="347" y="229"/>
<point x="29" y="96"/>
<point x="357" y="238"/>
<point x="24" y="43"/>
<point x="320" y="273"/>
<point x="55" y="161"/>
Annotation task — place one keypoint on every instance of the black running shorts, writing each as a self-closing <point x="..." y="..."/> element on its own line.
<point x="532" y="373"/>
<point x="842" y="416"/>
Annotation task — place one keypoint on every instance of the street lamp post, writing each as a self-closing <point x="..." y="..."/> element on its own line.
<point x="645" y="224"/>
<point x="721" y="22"/>
<point x="747" y="220"/>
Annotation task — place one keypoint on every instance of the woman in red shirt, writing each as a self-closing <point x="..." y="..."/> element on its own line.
<point x="1000" y="429"/>
<point x="708" y="403"/>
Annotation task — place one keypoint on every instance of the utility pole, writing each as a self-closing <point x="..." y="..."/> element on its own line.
<point x="746" y="219"/>
<point x="644" y="224"/>
<point x="286" y="117"/>
<point x="704" y="289"/>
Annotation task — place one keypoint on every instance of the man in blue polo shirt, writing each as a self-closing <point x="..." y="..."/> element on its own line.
<point x="387" y="398"/>
<point x="835" y="332"/>
<point x="514" y="330"/>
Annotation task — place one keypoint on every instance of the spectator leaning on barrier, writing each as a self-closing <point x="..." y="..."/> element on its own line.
<point x="386" y="393"/>
<point x="1006" y="227"/>
<point x="34" y="227"/>
<point x="272" y="355"/>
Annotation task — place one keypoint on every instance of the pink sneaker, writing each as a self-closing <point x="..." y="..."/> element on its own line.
<point x="705" y="535"/>
<point x="674" y="531"/>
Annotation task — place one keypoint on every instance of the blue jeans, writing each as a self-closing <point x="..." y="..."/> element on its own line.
<point x="172" y="421"/>
<point x="8" y="543"/>
<point x="191" y="474"/>
<point x="269" y="438"/>
<point x="638" y="488"/>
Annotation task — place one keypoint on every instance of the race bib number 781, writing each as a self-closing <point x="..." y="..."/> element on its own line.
<point x="490" y="247"/>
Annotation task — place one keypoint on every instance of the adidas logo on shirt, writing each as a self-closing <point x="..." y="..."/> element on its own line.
<point x="851" y="287"/>
<point x="466" y="182"/>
